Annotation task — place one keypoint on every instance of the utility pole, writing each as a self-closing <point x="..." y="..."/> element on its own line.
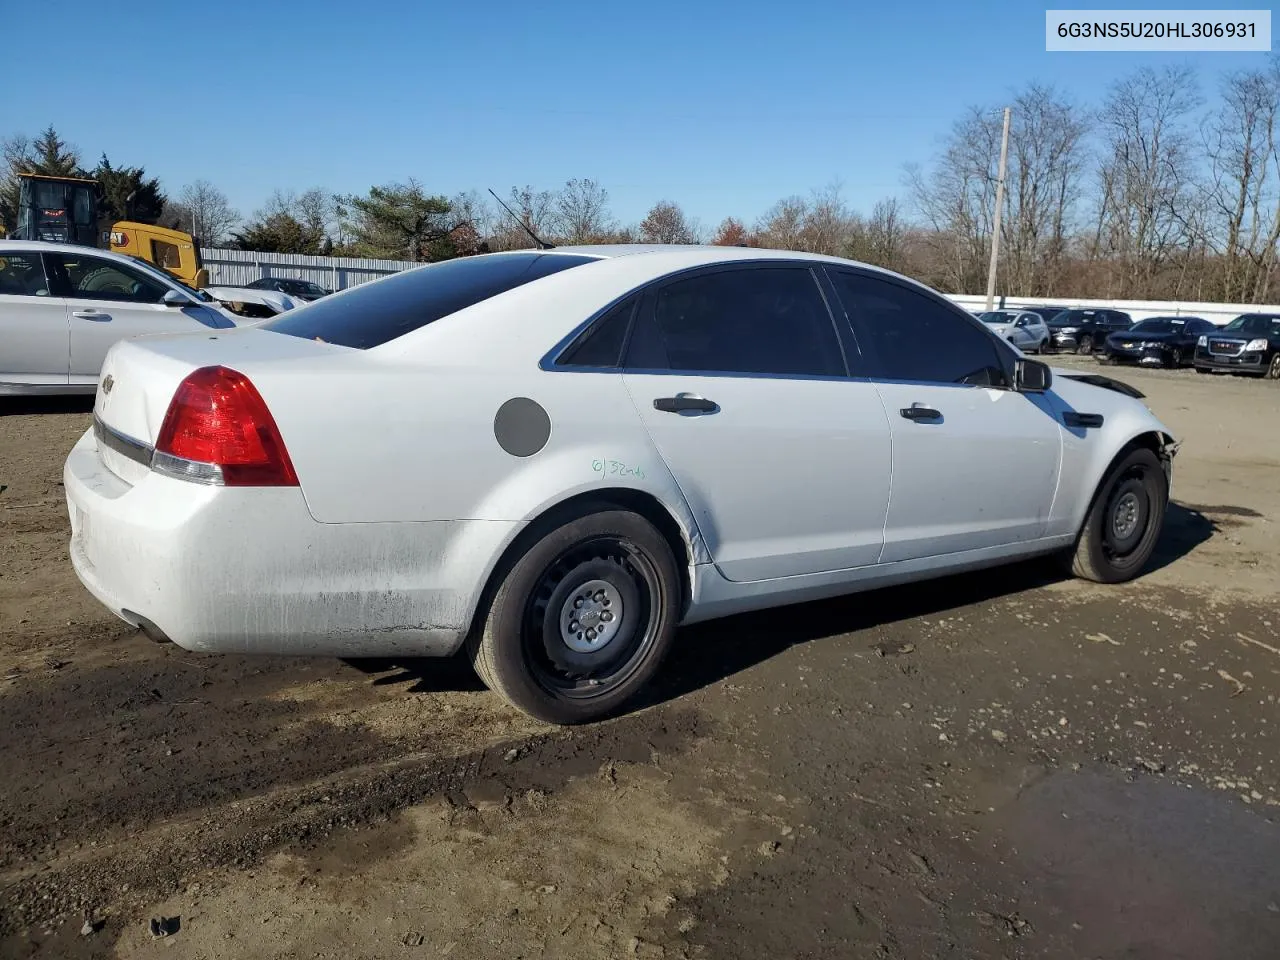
<point x="995" y="224"/>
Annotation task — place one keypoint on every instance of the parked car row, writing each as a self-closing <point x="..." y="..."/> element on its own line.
<point x="1249" y="344"/>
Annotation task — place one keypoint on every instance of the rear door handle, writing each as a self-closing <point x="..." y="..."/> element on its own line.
<point x="91" y="315"/>
<point x="685" y="403"/>
<point x="918" y="412"/>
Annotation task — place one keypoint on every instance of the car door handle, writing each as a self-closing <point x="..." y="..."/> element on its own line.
<point x="918" y="412"/>
<point x="685" y="403"/>
<point x="91" y="315"/>
<point x="1073" y="419"/>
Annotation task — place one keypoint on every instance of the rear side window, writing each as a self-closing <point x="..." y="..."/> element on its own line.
<point x="602" y="345"/>
<point x="376" y="313"/>
<point x="21" y="275"/>
<point x="764" y="320"/>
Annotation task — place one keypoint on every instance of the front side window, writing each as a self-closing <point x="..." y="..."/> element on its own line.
<point x="759" y="320"/>
<point x="22" y="275"/>
<point x="913" y="337"/>
<point x="96" y="279"/>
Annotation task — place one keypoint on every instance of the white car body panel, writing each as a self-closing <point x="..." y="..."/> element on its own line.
<point x="407" y="503"/>
<point x="832" y="433"/>
<point x="34" y="334"/>
<point x="58" y="344"/>
<point x="984" y="474"/>
<point x="274" y="299"/>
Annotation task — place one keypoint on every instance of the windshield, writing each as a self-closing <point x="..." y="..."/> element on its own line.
<point x="1158" y="325"/>
<point x="1072" y="317"/>
<point x="372" y="314"/>
<point x="997" y="316"/>
<point x="1252" y="323"/>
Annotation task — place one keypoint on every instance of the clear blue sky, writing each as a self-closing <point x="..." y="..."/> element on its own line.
<point x="723" y="107"/>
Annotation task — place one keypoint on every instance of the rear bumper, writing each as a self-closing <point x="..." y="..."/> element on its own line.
<point x="248" y="570"/>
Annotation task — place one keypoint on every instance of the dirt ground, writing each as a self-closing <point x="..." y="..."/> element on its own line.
<point x="998" y="765"/>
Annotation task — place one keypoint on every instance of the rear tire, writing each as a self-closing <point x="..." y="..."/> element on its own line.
<point x="580" y="622"/>
<point x="1124" y="520"/>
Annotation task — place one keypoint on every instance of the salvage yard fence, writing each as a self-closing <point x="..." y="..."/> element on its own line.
<point x="233" y="268"/>
<point x="237" y="267"/>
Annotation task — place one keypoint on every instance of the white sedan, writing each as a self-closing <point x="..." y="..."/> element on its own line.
<point x="63" y="305"/>
<point x="1023" y="328"/>
<point x="552" y="458"/>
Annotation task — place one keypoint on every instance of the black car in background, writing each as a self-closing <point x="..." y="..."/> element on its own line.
<point x="1085" y="330"/>
<point x="302" y="289"/>
<point x="1045" y="313"/>
<point x="1161" y="341"/>
<point x="1249" y="344"/>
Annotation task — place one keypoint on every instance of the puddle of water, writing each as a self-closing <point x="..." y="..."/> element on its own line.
<point x="1148" y="869"/>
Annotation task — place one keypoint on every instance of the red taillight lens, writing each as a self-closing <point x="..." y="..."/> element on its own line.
<point x="218" y="417"/>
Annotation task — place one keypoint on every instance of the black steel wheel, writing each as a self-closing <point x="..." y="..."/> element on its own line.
<point x="582" y="619"/>
<point x="1124" y="520"/>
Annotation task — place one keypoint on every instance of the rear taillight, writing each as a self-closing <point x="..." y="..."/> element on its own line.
<point x="218" y="430"/>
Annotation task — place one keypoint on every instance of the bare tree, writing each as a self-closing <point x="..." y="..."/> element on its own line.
<point x="1046" y="163"/>
<point x="667" y="223"/>
<point x="582" y="212"/>
<point x="535" y="209"/>
<point x="1242" y="195"/>
<point x="881" y="239"/>
<point x="1043" y="186"/>
<point x="203" y="211"/>
<point x="732" y="232"/>
<point x="1147" y="192"/>
<point x="782" y="225"/>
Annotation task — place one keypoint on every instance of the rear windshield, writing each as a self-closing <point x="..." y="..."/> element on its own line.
<point x="375" y="313"/>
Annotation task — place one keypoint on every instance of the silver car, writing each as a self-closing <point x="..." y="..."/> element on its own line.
<point x="62" y="306"/>
<point x="1024" y="329"/>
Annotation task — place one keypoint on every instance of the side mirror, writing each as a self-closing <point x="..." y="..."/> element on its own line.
<point x="1032" y="376"/>
<point x="175" y="298"/>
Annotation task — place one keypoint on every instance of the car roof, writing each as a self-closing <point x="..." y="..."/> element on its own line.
<point x="48" y="246"/>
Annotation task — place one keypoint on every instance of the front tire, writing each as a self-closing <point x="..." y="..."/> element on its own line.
<point x="1085" y="346"/>
<point x="1273" y="371"/>
<point x="581" y="621"/>
<point x="1124" y="520"/>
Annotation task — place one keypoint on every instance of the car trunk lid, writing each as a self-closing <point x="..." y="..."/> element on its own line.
<point x="140" y="376"/>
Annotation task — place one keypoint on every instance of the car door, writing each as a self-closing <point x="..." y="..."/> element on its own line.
<point x="1037" y="332"/>
<point x="740" y="377"/>
<point x="975" y="463"/>
<point x="1022" y="335"/>
<point x="109" y="301"/>
<point x="33" y="323"/>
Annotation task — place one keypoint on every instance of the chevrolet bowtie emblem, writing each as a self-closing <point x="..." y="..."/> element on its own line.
<point x="107" y="383"/>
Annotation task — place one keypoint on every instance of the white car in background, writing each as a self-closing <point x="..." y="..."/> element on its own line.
<point x="1024" y="329"/>
<point x="552" y="458"/>
<point x="62" y="306"/>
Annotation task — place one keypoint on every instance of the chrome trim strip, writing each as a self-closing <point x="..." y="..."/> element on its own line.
<point x="122" y="443"/>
